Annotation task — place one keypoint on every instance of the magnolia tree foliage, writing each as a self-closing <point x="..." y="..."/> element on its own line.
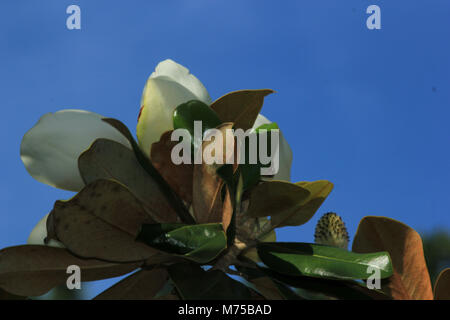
<point x="195" y="230"/>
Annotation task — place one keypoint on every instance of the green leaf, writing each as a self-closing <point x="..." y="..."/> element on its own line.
<point x="145" y="162"/>
<point x="185" y="115"/>
<point x="258" y="275"/>
<point x="200" y="243"/>
<point x="322" y="289"/>
<point x="312" y="260"/>
<point x="268" y="127"/>
<point x="194" y="283"/>
<point x="226" y="173"/>
<point x="251" y="173"/>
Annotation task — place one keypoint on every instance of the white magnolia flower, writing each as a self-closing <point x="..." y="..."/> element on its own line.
<point x="50" y="150"/>
<point x="169" y="86"/>
<point x="39" y="233"/>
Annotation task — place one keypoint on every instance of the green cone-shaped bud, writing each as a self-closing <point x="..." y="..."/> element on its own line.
<point x="331" y="231"/>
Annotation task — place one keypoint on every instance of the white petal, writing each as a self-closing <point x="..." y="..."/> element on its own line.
<point x="260" y="120"/>
<point x="181" y="75"/>
<point x="39" y="233"/>
<point x="284" y="172"/>
<point x="50" y="149"/>
<point x="160" y="98"/>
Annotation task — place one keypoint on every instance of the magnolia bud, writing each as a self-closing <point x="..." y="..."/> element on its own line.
<point x="331" y="231"/>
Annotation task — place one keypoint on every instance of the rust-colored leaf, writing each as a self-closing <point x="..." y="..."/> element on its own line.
<point x="33" y="270"/>
<point x="227" y="210"/>
<point x="241" y="107"/>
<point x="179" y="177"/>
<point x="411" y="279"/>
<point x="102" y="222"/>
<point x="208" y="204"/>
<point x="107" y="159"/>
<point x="142" y="285"/>
<point x="442" y="286"/>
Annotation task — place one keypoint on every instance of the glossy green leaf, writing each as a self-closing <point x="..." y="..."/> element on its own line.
<point x="200" y="243"/>
<point x="300" y="287"/>
<point x="251" y="173"/>
<point x="185" y="115"/>
<point x="312" y="260"/>
<point x="268" y="126"/>
<point x="145" y="162"/>
<point x="194" y="283"/>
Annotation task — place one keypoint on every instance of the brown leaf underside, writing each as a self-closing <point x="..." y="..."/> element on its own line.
<point x="267" y="288"/>
<point x="142" y="285"/>
<point x="102" y="221"/>
<point x="442" y="286"/>
<point x="289" y="204"/>
<point x="209" y="207"/>
<point x="33" y="270"/>
<point x="179" y="177"/>
<point x="107" y="159"/>
<point x="411" y="279"/>
<point x="241" y="107"/>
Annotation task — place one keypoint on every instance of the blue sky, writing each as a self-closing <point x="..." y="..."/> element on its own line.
<point x="365" y="109"/>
